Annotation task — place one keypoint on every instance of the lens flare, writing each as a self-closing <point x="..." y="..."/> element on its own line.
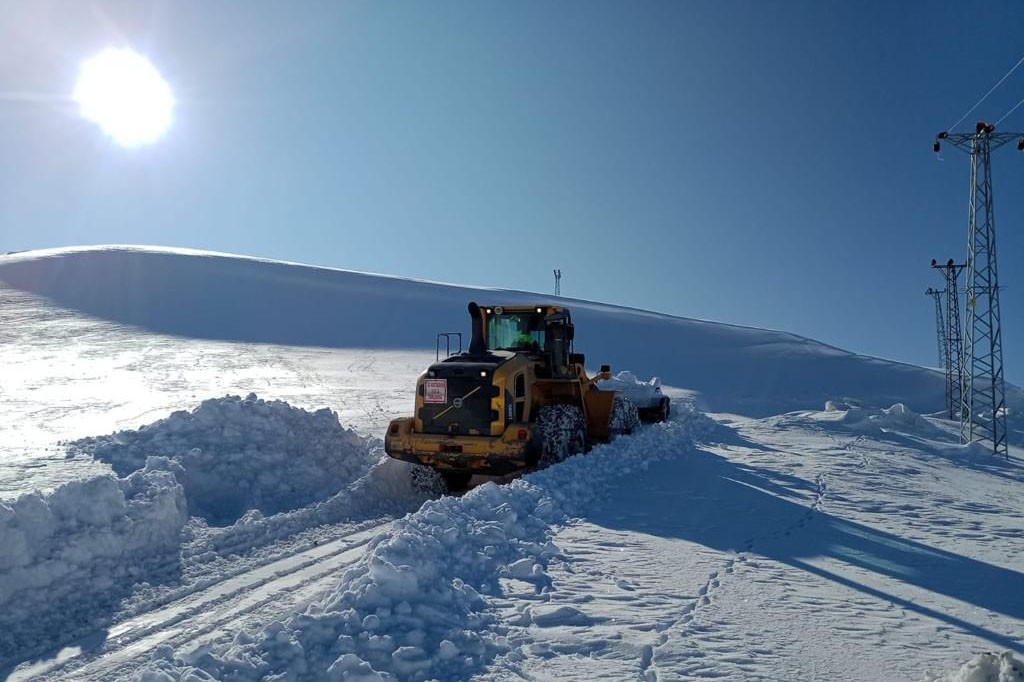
<point x="122" y="92"/>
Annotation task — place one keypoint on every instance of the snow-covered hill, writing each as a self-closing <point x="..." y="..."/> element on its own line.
<point x="215" y="296"/>
<point x="155" y="530"/>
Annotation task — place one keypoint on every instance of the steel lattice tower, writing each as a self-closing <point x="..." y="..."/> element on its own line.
<point x="983" y="403"/>
<point x="940" y="326"/>
<point x="953" y="338"/>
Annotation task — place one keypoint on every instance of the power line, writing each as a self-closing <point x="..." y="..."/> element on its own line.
<point x="1010" y="111"/>
<point x="991" y="90"/>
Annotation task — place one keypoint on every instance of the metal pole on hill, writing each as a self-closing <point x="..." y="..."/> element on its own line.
<point x="940" y="328"/>
<point x="558" y="282"/>
<point x="954" y="336"/>
<point x="983" y="403"/>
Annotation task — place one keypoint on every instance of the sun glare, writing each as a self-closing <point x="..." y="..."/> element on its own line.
<point x="124" y="94"/>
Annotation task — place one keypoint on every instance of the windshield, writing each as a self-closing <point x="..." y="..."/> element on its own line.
<point x="515" y="331"/>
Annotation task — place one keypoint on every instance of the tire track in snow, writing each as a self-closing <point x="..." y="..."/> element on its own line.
<point x="220" y="609"/>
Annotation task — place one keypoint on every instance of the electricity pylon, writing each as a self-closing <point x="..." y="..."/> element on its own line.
<point x="953" y="337"/>
<point x="558" y="282"/>
<point x="983" y="404"/>
<point x="940" y="325"/>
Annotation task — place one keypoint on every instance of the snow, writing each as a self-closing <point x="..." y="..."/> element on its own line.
<point x="641" y="393"/>
<point x="215" y="296"/>
<point x="784" y="541"/>
<point x="70" y="554"/>
<point x="988" y="667"/>
<point x="416" y="607"/>
<point x="233" y="455"/>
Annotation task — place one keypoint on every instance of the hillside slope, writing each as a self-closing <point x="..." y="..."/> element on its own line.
<point x="214" y="296"/>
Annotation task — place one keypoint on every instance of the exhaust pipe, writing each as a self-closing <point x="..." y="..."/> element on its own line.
<point x="476" y="344"/>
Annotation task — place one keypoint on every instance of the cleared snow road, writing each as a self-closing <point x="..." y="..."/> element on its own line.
<point x="208" y="616"/>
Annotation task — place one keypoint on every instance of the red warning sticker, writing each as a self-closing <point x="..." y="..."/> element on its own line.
<point x="435" y="391"/>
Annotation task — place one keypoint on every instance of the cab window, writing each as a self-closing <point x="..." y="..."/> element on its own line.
<point x="515" y="331"/>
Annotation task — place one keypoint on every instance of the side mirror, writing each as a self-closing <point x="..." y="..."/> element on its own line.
<point x="606" y="368"/>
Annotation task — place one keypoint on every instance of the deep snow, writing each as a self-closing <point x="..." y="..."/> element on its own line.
<point x="416" y="607"/>
<point x="214" y="296"/>
<point x="72" y="554"/>
<point x="233" y="455"/>
<point x="858" y="542"/>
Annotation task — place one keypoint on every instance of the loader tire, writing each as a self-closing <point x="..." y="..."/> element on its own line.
<point x="625" y="417"/>
<point x="426" y="480"/>
<point x="455" y="482"/>
<point x="562" y="432"/>
<point x="434" y="482"/>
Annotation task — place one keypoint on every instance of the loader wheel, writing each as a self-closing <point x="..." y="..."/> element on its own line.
<point x="433" y="482"/>
<point x="563" y="433"/>
<point x="625" y="416"/>
<point x="427" y="481"/>
<point x="665" y="410"/>
<point x="455" y="482"/>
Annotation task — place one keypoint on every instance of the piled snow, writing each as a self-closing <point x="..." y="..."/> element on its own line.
<point x="640" y="393"/>
<point x="989" y="667"/>
<point x="233" y="455"/>
<point x="69" y="555"/>
<point x="416" y="607"/>
<point x="898" y="417"/>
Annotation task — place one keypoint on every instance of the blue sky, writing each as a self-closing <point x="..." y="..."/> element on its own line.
<point x="761" y="163"/>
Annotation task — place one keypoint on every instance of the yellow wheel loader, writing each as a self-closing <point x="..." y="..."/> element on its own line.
<point x="517" y="399"/>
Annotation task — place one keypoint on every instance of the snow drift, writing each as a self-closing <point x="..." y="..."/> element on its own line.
<point x="214" y="296"/>
<point x="232" y="455"/>
<point x="990" y="667"/>
<point x="70" y="555"/>
<point x="416" y="607"/>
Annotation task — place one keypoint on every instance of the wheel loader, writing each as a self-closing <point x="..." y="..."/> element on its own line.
<point x="518" y="398"/>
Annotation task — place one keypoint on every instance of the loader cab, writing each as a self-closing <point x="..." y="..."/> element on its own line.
<point x="544" y="331"/>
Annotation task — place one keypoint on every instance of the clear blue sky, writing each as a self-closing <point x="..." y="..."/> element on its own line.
<point x="762" y="163"/>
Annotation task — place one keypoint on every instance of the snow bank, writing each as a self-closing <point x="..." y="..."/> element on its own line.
<point x="641" y="393"/>
<point x="989" y="667"/>
<point x="415" y="607"/>
<point x="233" y="455"/>
<point x="898" y="417"/>
<point x="69" y="555"/>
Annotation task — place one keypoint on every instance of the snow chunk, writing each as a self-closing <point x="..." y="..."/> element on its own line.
<point x="989" y="667"/>
<point x="232" y="455"/>
<point x="643" y="394"/>
<point x="70" y="555"/>
<point x="898" y="417"/>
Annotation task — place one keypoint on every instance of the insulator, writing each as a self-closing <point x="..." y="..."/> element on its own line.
<point x="936" y="147"/>
<point x="1020" y="145"/>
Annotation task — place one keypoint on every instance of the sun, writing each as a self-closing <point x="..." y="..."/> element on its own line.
<point x="124" y="94"/>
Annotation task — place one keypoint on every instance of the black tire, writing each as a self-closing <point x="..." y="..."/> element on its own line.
<point x="625" y="416"/>
<point x="427" y="481"/>
<point x="455" y="481"/>
<point x="666" y="409"/>
<point x="437" y="482"/>
<point x="561" y="433"/>
<point x="658" y="413"/>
